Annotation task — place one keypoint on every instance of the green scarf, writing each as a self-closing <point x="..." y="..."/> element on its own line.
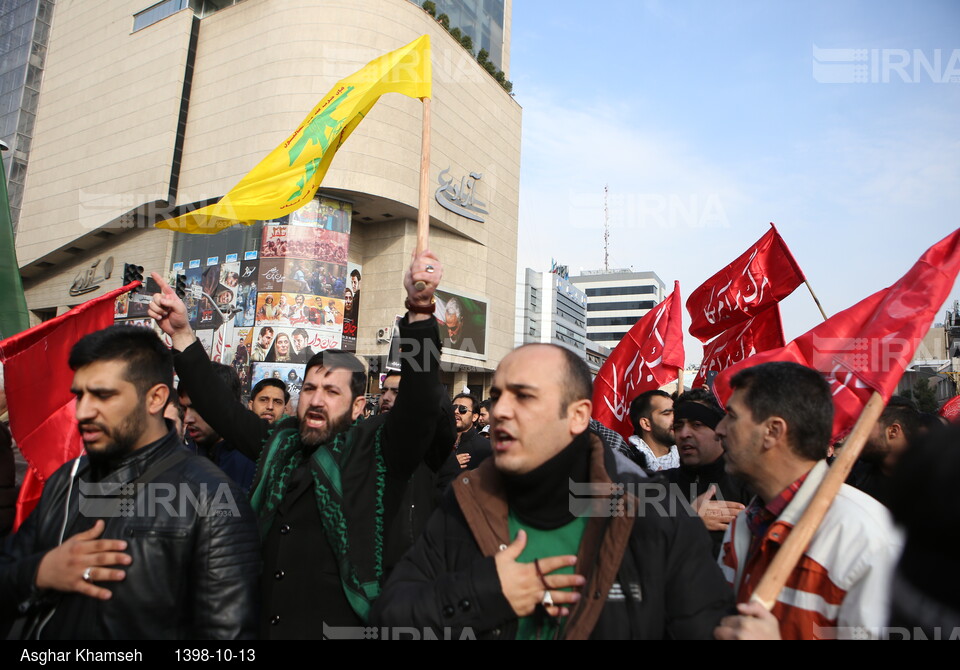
<point x="361" y="572"/>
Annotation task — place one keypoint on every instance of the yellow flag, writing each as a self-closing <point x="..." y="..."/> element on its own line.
<point x="288" y="178"/>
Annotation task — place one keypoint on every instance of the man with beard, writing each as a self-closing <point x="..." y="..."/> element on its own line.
<point x="355" y="287"/>
<point x="896" y="429"/>
<point x="651" y="414"/>
<point x="138" y="538"/>
<point x="329" y="485"/>
<point x="701" y="479"/>
<point x="470" y="448"/>
<point x="303" y="352"/>
<point x="483" y="423"/>
<point x="262" y="348"/>
<point x="452" y="326"/>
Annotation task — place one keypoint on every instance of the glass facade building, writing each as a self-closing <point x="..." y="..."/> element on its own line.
<point x="24" y="30"/>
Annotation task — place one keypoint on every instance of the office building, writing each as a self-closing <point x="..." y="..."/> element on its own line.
<point x="550" y="309"/>
<point x="616" y="299"/>
<point x="147" y="108"/>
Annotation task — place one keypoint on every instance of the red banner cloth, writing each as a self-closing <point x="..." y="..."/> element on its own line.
<point x="867" y="347"/>
<point x="648" y="356"/>
<point x="764" y="274"/>
<point x="37" y="381"/>
<point x="761" y="333"/>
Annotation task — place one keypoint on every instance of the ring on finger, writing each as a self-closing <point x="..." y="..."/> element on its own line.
<point x="547" y="600"/>
<point x="87" y="576"/>
<point x="430" y="268"/>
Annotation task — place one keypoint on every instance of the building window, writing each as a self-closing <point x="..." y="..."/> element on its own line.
<point x="620" y="306"/>
<point x="162" y="10"/>
<point x="621" y="290"/>
<point x="613" y="321"/>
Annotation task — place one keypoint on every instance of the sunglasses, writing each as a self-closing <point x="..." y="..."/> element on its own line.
<point x="462" y="409"/>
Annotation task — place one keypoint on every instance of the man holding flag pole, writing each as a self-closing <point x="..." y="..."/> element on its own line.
<point x="329" y="486"/>
<point x="809" y="547"/>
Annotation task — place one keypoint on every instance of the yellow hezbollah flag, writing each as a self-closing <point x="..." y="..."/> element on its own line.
<point x="289" y="177"/>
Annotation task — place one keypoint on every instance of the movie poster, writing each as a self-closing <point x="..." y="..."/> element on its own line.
<point x="306" y="243"/>
<point x="120" y="306"/>
<point x="351" y="307"/>
<point x="247" y="295"/>
<point x="296" y="309"/>
<point x="335" y="215"/>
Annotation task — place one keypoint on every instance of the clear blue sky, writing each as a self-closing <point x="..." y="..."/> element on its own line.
<point x="708" y="120"/>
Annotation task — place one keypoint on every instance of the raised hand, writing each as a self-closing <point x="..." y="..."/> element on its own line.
<point x="168" y="310"/>
<point x="424" y="269"/>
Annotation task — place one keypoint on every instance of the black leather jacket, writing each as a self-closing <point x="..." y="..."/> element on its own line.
<point x="190" y="532"/>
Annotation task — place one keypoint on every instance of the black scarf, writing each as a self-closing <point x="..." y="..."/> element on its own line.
<point x="541" y="497"/>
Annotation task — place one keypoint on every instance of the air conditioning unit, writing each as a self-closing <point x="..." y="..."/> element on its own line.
<point x="383" y="334"/>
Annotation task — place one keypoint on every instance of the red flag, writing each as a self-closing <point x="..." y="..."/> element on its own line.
<point x="648" y="357"/>
<point x="761" y="333"/>
<point x="37" y="380"/>
<point x="867" y="347"/>
<point x="764" y="274"/>
<point x="951" y="409"/>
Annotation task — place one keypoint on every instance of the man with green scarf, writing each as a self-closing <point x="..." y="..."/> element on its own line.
<point x="328" y="485"/>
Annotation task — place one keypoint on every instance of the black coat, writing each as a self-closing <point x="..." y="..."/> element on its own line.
<point x="693" y="482"/>
<point x="301" y="587"/>
<point x="650" y="575"/>
<point x="474" y="443"/>
<point x="8" y="481"/>
<point x="194" y="572"/>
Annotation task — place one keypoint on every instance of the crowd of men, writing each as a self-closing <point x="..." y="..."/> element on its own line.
<point x="194" y="515"/>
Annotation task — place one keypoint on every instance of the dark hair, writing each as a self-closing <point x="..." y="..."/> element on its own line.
<point x="229" y="377"/>
<point x="797" y="394"/>
<point x="702" y="396"/>
<point x="260" y="334"/>
<point x="577" y="381"/>
<point x="299" y="331"/>
<point x="642" y="407"/>
<point x="906" y="417"/>
<point x="485" y="404"/>
<point x="355" y="273"/>
<point x="474" y="400"/>
<point x="148" y="360"/>
<point x="334" y="359"/>
<point x="270" y="381"/>
<point x="920" y="503"/>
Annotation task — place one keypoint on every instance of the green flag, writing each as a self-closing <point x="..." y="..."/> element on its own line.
<point x="13" y="305"/>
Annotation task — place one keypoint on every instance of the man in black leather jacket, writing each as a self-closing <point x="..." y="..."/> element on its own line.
<point x="139" y="538"/>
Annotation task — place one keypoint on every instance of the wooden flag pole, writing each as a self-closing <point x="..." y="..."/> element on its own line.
<point x="423" y="213"/>
<point x="680" y="382"/>
<point x="810" y="288"/>
<point x="789" y="554"/>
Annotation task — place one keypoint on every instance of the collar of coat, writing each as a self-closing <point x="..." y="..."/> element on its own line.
<point x="481" y="495"/>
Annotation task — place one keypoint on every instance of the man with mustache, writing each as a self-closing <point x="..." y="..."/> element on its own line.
<point x="329" y="486"/>
<point x="139" y="538"/>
